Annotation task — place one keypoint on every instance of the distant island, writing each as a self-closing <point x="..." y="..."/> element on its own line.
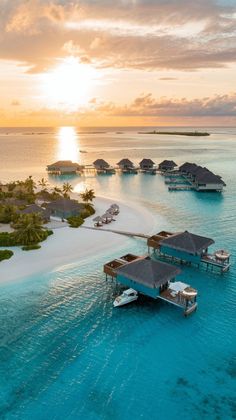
<point x="178" y="133"/>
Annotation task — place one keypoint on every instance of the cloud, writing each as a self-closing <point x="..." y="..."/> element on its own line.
<point x="148" y="106"/>
<point x="144" y="34"/>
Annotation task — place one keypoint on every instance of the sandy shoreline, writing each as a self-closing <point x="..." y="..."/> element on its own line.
<point x="68" y="245"/>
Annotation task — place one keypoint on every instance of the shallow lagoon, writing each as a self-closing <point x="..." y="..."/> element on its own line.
<point x="66" y="353"/>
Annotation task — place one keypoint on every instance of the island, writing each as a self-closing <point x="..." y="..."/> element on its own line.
<point x="177" y="133"/>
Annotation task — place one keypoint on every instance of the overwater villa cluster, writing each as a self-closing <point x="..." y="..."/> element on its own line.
<point x="191" y="176"/>
<point x="157" y="279"/>
<point x="188" y="176"/>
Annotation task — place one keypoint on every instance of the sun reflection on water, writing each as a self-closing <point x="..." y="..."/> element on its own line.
<point x="68" y="144"/>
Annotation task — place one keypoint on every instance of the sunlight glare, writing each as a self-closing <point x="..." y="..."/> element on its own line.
<point x="68" y="144"/>
<point x="69" y="85"/>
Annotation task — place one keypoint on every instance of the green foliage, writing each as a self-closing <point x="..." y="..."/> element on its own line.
<point x="75" y="221"/>
<point x="7" y="213"/>
<point x="87" y="195"/>
<point x="7" y="239"/>
<point x="31" y="247"/>
<point x="5" y="254"/>
<point x="67" y="189"/>
<point x="89" y="208"/>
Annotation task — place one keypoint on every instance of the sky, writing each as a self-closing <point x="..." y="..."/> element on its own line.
<point x="117" y="63"/>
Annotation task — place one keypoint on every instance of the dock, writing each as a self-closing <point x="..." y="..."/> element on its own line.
<point x="119" y="232"/>
<point x="154" y="279"/>
<point x="181" y="187"/>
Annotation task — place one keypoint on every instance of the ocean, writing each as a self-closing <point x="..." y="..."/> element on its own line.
<point x="65" y="353"/>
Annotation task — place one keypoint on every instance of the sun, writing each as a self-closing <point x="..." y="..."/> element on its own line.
<point x="69" y="85"/>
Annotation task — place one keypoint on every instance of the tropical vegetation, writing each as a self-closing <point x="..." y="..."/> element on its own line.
<point x="88" y="195"/>
<point x="5" y="254"/>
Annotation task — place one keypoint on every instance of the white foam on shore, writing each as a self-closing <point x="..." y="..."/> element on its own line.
<point x="68" y="245"/>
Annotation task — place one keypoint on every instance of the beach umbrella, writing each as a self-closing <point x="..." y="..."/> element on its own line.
<point x="97" y="219"/>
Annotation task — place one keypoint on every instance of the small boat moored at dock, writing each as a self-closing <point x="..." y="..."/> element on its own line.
<point x="151" y="278"/>
<point x="128" y="296"/>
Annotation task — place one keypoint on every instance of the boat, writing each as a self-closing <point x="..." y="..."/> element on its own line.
<point x="129" y="295"/>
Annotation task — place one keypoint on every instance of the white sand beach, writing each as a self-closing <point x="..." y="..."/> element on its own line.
<point x="68" y="245"/>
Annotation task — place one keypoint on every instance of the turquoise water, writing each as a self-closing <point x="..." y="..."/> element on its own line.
<point x="65" y="353"/>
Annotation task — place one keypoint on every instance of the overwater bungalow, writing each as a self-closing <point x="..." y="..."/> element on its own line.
<point x="64" y="208"/>
<point x="64" y="167"/>
<point x="154" y="279"/>
<point x="166" y="165"/>
<point x="103" y="167"/>
<point x="127" y="167"/>
<point x="201" y="178"/>
<point x="35" y="209"/>
<point x="147" y="166"/>
<point x="207" y="181"/>
<point x="186" y="247"/>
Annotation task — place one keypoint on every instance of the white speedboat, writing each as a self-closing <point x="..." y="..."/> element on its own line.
<point x="127" y="296"/>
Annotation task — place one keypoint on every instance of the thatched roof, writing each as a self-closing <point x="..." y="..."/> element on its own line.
<point x="146" y="162"/>
<point x="125" y="162"/>
<point x="167" y="164"/>
<point x="62" y="164"/>
<point x="187" y="166"/>
<point x="208" y="177"/>
<point x="65" y="204"/>
<point x="33" y="208"/>
<point x="148" y="272"/>
<point x="187" y="242"/>
<point x="101" y="163"/>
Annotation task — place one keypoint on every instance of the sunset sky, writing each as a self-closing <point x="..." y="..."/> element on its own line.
<point x="120" y="62"/>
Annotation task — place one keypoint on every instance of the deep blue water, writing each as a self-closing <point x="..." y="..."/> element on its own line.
<point x="65" y="353"/>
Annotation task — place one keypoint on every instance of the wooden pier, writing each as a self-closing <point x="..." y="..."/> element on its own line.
<point x="119" y="232"/>
<point x="181" y="187"/>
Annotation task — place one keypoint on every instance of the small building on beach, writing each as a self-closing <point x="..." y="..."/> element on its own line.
<point x="35" y="209"/>
<point x="64" y="167"/>
<point x="64" y="208"/>
<point x="166" y="165"/>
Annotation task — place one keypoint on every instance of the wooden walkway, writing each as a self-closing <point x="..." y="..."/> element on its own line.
<point x="181" y="188"/>
<point x="119" y="232"/>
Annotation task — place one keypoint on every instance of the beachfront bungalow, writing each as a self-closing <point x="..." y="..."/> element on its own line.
<point x="126" y="166"/>
<point x="147" y="165"/>
<point x="64" y="167"/>
<point x="64" y="208"/>
<point x="102" y="167"/>
<point x="35" y="209"/>
<point x="156" y="280"/>
<point x="166" y="165"/>
<point x="186" y="247"/>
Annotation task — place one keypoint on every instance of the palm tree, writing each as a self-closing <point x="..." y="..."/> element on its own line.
<point x="29" y="229"/>
<point x="67" y="189"/>
<point x="88" y="195"/>
<point x="30" y="184"/>
<point x="43" y="183"/>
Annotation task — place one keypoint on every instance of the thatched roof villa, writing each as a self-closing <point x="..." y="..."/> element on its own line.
<point x="64" y="207"/>
<point x="166" y="165"/>
<point x="35" y="209"/>
<point x="64" y="167"/>
<point x="146" y="164"/>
